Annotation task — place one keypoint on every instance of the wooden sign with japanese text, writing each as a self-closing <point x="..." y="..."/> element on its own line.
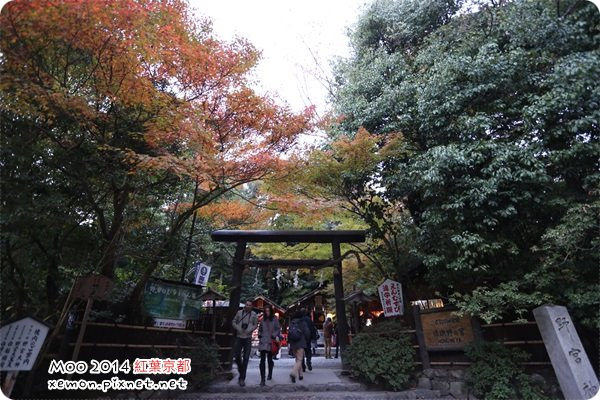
<point x="390" y="294"/>
<point x="20" y="344"/>
<point x="443" y="330"/>
<point x="92" y="286"/>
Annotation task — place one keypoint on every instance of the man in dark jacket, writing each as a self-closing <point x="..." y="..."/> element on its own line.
<point x="297" y="334"/>
<point x="313" y="336"/>
<point x="244" y="323"/>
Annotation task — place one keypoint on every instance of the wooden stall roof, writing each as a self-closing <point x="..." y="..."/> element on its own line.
<point x="299" y="236"/>
<point x="359" y="297"/>
<point x="211" y="294"/>
<point x="307" y="296"/>
<point x="275" y="306"/>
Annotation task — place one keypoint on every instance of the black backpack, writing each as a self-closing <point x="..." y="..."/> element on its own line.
<point x="295" y="334"/>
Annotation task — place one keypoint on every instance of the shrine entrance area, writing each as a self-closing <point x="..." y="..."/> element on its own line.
<point x="335" y="238"/>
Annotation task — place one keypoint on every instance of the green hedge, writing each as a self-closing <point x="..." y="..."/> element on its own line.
<point x="496" y="373"/>
<point x="382" y="355"/>
<point x="204" y="361"/>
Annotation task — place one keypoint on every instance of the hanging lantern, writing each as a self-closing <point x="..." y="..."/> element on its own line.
<point x="296" y="279"/>
<point x="278" y="276"/>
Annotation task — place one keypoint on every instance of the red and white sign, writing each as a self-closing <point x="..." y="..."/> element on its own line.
<point x="390" y="294"/>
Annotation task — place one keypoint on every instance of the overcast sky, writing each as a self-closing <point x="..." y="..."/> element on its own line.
<point x="288" y="33"/>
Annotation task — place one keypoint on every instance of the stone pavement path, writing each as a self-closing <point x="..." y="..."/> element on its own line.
<point x="348" y="395"/>
<point x="324" y="372"/>
<point x="325" y="381"/>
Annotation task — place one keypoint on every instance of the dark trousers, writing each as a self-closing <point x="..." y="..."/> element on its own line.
<point x="308" y="357"/>
<point x="269" y="356"/>
<point x="245" y="345"/>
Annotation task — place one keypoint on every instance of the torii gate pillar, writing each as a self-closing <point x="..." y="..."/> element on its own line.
<point x="340" y="304"/>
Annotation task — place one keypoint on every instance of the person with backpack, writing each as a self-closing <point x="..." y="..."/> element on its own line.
<point x="269" y="333"/>
<point x="297" y="334"/>
<point x="313" y="335"/>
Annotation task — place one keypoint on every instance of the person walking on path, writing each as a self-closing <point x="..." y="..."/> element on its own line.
<point x="327" y="333"/>
<point x="297" y="333"/>
<point x="313" y="335"/>
<point x="244" y="323"/>
<point x="268" y="332"/>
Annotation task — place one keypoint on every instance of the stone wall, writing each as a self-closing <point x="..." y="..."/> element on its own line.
<point x="447" y="381"/>
<point x="451" y="382"/>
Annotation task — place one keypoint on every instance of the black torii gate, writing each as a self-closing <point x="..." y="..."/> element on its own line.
<point x="242" y="238"/>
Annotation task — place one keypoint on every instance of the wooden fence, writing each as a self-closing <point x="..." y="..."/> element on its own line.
<point x="524" y="335"/>
<point x="105" y="340"/>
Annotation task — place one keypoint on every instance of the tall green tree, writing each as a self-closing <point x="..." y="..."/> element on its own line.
<point x="499" y="102"/>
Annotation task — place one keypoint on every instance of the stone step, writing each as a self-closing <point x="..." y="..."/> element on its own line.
<point x="287" y="388"/>
<point x="347" y="394"/>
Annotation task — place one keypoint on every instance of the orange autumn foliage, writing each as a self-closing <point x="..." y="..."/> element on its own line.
<point x="131" y="100"/>
<point x="197" y="116"/>
<point x="322" y="183"/>
<point x="233" y="214"/>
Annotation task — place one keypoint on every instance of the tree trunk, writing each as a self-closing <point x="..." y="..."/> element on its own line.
<point x="135" y="299"/>
<point x="113" y="237"/>
<point x="190" y="237"/>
